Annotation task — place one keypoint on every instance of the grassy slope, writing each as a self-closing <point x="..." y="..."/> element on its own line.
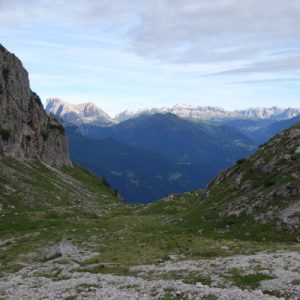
<point x="41" y="206"/>
<point x="258" y="211"/>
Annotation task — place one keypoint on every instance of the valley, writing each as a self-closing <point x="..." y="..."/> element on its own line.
<point x="152" y="153"/>
<point x="66" y="234"/>
<point x="117" y="250"/>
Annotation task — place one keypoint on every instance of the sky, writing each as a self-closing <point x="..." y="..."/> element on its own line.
<point x="132" y="54"/>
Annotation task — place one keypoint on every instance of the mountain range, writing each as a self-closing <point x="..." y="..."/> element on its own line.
<point x="181" y="140"/>
<point x="258" y="124"/>
<point x="163" y="150"/>
<point x="139" y="175"/>
<point x="151" y="156"/>
<point x="89" y="113"/>
<point x="209" y="113"/>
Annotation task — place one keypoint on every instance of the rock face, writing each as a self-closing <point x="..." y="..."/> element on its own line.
<point x="26" y="131"/>
<point x="266" y="186"/>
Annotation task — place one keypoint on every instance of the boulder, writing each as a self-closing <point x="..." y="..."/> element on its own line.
<point x="62" y="249"/>
<point x="295" y="133"/>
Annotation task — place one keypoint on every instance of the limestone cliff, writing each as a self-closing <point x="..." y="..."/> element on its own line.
<point x="26" y="131"/>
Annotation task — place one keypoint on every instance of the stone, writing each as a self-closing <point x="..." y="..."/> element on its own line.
<point x="26" y="131"/>
<point x="295" y="175"/>
<point x="294" y="133"/>
<point x="297" y="150"/>
<point x="238" y="180"/>
<point x="288" y="190"/>
<point x="291" y="215"/>
<point x="225" y="248"/>
<point x="64" y="249"/>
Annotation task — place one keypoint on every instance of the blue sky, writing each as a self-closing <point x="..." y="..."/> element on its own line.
<point x="131" y="54"/>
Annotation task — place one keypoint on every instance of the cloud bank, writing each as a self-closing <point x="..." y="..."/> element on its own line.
<point x="182" y="31"/>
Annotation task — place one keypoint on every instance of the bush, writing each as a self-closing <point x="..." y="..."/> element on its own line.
<point x="105" y="182"/>
<point x="250" y="280"/>
<point x="57" y="126"/>
<point x="44" y="133"/>
<point x="241" y="161"/>
<point x="46" y="130"/>
<point x="269" y="182"/>
<point x="37" y="99"/>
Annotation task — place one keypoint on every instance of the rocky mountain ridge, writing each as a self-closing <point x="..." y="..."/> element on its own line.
<point x="208" y="113"/>
<point x="85" y="113"/>
<point x="26" y="131"/>
<point x="263" y="189"/>
<point x="90" y="113"/>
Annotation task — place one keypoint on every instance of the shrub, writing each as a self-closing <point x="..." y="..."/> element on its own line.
<point x="44" y="133"/>
<point x="250" y="280"/>
<point x="57" y="126"/>
<point x="241" y="161"/>
<point x="46" y="130"/>
<point x="105" y="182"/>
<point x="269" y="182"/>
<point x="37" y="100"/>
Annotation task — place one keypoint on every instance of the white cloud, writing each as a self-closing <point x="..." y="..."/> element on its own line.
<point x="76" y="12"/>
<point x="280" y="64"/>
<point x="216" y="30"/>
<point x="177" y="31"/>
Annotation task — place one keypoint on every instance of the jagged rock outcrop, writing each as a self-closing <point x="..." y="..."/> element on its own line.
<point x="26" y="131"/>
<point x="265" y="186"/>
<point x="80" y="114"/>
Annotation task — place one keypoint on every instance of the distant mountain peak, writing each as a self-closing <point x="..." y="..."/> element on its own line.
<point x="182" y="106"/>
<point x="209" y="113"/>
<point x="90" y="114"/>
<point x="78" y="114"/>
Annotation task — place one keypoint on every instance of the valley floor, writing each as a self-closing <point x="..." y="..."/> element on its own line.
<point x="66" y="235"/>
<point x="260" y="276"/>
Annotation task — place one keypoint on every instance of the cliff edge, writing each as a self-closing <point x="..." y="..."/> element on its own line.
<point x="26" y="131"/>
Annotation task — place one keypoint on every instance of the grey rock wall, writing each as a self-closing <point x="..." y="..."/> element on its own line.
<point x="26" y="131"/>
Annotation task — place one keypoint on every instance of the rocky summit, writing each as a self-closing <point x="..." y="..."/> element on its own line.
<point x="26" y="131"/>
<point x="85" y="113"/>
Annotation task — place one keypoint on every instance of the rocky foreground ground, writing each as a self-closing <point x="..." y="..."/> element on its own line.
<point x="260" y="276"/>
